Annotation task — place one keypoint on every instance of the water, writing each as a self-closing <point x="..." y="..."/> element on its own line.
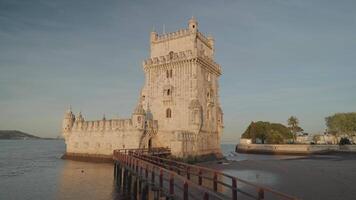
<point x="32" y="169"/>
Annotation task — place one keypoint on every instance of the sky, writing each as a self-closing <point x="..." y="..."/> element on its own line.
<point x="279" y="58"/>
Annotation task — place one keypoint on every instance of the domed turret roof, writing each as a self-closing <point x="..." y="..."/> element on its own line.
<point x="69" y="114"/>
<point x="149" y="115"/>
<point x="139" y="110"/>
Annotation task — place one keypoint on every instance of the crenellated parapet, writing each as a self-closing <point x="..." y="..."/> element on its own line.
<point x="103" y="125"/>
<point x="156" y="38"/>
<point x="170" y="36"/>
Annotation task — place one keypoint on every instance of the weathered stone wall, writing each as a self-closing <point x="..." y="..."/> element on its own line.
<point x="102" y="143"/>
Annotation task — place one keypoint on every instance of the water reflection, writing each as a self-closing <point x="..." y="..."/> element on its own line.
<point x="82" y="180"/>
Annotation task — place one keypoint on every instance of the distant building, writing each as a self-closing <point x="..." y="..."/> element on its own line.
<point x="304" y="138"/>
<point x="325" y="139"/>
<point x="178" y="105"/>
<point x="245" y="141"/>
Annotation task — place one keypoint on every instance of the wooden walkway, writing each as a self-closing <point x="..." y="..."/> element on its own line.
<point x="143" y="174"/>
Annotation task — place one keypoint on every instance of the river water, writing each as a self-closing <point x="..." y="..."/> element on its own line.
<point x="32" y="169"/>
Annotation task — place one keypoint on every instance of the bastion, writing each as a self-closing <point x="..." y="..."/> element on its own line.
<point x="178" y="106"/>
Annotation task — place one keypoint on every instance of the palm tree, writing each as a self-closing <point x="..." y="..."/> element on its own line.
<point x="293" y="124"/>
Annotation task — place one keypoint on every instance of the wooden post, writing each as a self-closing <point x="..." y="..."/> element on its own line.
<point x="261" y="194"/>
<point x="129" y="183"/>
<point x="119" y="176"/>
<point x="146" y="173"/>
<point x="171" y="185"/>
<point x="141" y="169"/>
<point x="188" y="173"/>
<point x="215" y="181"/>
<point x="140" y="186"/>
<point x="137" y="166"/>
<point x="200" y="177"/>
<point x="185" y="195"/>
<point x="234" y="189"/>
<point x="115" y="169"/>
<point x="156" y="195"/>
<point x="144" y="195"/>
<point x="124" y="184"/>
<point x="206" y="196"/>
<point x="161" y="179"/>
<point x="153" y="176"/>
<point x="135" y="188"/>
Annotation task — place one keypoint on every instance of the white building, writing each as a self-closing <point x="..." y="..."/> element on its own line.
<point x="178" y="106"/>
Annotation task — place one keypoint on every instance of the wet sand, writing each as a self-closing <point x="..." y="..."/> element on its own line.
<point x="306" y="177"/>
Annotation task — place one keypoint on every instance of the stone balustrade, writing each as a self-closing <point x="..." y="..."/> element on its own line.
<point x="103" y="125"/>
<point x="180" y="56"/>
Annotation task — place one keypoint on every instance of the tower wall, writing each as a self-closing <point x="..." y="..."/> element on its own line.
<point x="182" y="62"/>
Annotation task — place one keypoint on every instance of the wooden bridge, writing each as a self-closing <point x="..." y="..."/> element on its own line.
<point x="148" y="174"/>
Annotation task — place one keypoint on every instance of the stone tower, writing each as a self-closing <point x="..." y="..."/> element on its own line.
<point x="182" y="89"/>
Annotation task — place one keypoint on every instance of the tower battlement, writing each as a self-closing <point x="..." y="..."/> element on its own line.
<point x="181" y="40"/>
<point x="156" y="38"/>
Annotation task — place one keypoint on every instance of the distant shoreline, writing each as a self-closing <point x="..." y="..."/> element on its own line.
<point x="293" y="149"/>
<point x="19" y="135"/>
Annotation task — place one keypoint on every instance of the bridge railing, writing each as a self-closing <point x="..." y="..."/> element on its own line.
<point x="219" y="182"/>
<point x="169" y="182"/>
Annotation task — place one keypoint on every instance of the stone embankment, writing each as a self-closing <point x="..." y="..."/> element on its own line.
<point x="293" y="148"/>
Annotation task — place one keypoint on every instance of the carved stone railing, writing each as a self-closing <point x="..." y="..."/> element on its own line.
<point x="180" y="56"/>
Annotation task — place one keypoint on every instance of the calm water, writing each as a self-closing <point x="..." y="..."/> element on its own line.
<point x="32" y="169"/>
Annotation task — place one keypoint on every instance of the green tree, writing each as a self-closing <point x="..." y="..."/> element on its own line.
<point x="271" y="133"/>
<point x="342" y="123"/>
<point x="293" y="124"/>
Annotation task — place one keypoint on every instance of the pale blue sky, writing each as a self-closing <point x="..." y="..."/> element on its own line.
<point x="279" y="58"/>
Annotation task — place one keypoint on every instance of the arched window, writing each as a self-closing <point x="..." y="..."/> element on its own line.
<point x="168" y="92"/>
<point x="168" y="113"/>
<point x="171" y="55"/>
<point x="169" y="73"/>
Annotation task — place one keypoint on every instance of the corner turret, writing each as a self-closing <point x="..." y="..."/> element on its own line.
<point x="138" y="116"/>
<point x="193" y="25"/>
<point x="68" y="121"/>
<point x="80" y="117"/>
<point x="153" y="36"/>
